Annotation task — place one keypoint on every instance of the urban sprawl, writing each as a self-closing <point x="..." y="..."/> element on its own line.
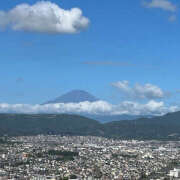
<point x="87" y="158"/>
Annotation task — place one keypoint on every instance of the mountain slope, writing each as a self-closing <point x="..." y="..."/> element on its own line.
<point x="111" y="118"/>
<point x="163" y="127"/>
<point x="166" y="127"/>
<point x="74" y="96"/>
<point x="22" y="124"/>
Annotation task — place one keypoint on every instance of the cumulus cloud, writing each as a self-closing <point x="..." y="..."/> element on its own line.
<point x="150" y="108"/>
<point x="98" y="107"/>
<point x="161" y="4"/>
<point x="147" y="91"/>
<point x="43" y="17"/>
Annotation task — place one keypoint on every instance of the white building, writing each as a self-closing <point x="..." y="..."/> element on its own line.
<point x="175" y="173"/>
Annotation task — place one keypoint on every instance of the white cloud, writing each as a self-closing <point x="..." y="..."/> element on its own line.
<point x="98" y="107"/>
<point x="123" y="86"/>
<point x="150" y="108"/>
<point x="161" y="4"/>
<point x="43" y="17"/>
<point x="147" y="91"/>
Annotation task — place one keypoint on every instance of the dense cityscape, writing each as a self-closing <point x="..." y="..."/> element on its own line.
<point x="86" y="157"/>
<point x="89" y="90"/>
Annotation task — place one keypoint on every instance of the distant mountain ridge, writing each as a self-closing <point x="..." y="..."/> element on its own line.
<point x="74" y="96"/>
<point x="166" y="127"/>
<point x="27" y="124"/>
<point x="110" y="118"/>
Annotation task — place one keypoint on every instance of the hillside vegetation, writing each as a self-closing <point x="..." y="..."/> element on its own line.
<point x="166" y="127"/>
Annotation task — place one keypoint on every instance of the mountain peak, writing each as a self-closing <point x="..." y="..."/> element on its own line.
<point x="74" y="96"/>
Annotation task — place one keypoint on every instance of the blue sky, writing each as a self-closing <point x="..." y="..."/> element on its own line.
<point x="124" y="40"/>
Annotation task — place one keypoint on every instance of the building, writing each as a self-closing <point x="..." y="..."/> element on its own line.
<point x="175" y="173"/>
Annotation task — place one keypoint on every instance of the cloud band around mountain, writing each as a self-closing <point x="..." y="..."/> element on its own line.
<point x="95" y="108"/>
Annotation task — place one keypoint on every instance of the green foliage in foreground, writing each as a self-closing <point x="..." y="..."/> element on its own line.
<point x="62" y="153"/>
